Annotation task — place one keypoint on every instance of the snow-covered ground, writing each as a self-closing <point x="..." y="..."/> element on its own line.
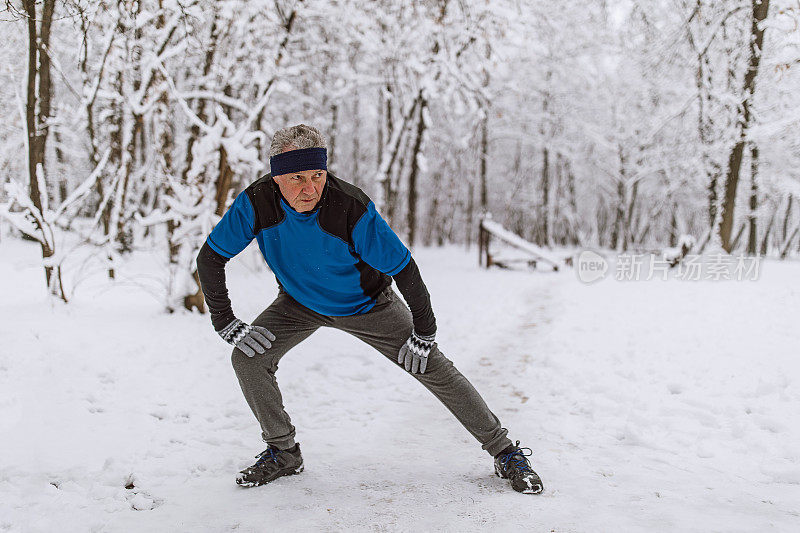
<point x="650" y="406"/>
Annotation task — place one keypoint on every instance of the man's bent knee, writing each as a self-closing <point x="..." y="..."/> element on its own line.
<point x="238" y="359"/>
<point x="438" y="364"/>
<point x="243" y="364"/>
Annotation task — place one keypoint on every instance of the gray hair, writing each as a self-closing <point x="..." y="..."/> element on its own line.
<point x="296" y="138"/>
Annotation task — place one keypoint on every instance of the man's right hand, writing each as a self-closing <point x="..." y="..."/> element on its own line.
<point x="249" y="339"/>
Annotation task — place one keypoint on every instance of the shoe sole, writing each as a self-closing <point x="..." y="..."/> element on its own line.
<point x="536" y="489"/>
<point x="278" y="474"/>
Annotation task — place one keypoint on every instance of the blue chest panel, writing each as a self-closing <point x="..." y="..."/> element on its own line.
<point x="316" y="268"/>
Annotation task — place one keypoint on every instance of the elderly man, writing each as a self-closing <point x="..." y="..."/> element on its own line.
<point x="334" y="258"/>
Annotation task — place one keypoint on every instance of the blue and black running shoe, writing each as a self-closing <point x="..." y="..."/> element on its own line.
<point x="272" y="463"/>
<point x="512" y="463"/>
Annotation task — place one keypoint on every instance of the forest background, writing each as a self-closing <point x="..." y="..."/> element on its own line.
<point x="621" y="125"/>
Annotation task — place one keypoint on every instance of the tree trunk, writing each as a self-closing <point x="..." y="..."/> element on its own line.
<point x="628" y="227"/>
<point x="753" y="235"/>
<point x="705" y="126"/>
<point x="387" y="113"/>
<point x="738" y="237"/>
<point x="411" y="215"/>
<point x="560" y="220"/>
<point x="619" y="216"/>
<point x="787" y="217"/>
<point x="115" y="157"/>
<point x="37" y="113"/>
<point x="544" y="239"/>
<point x="332" y="136"/>
<point x="130" y="124"/>
<point x="470" y="213"/>
<point x="396" y="176"/>
<point x="224" y="181"/>
<point x="602" y="221"/>
<point x="673" y="226"/>
<point x="759" y="10"/>
<point x="196" y="300"/>
<point x="356" y="144"/>
<point x="380" y="128"/>
<point x="765" y="238"/>
<point x="617" y="240"/>
<point x="574" y="227"/>
<point x="433" y="229"/>
<point x="484" y="157"/>
<point x="788" y="243"/>
<point x="166" y="140"/>
<point x="36" y="139"/>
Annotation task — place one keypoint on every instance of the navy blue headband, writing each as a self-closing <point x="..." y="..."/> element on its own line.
<point x="297" y="160"/>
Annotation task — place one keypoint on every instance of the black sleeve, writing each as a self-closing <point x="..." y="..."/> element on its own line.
<point x="416" y="295"/>
<point x="211" y="271"/>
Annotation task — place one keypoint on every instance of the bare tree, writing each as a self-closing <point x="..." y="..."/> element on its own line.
<point x="760" y="8"/>
<point x="37" y="113"/>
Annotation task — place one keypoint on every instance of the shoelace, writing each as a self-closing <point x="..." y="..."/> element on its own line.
<point x="517" y="458"/>
<point x="270" y="454"/>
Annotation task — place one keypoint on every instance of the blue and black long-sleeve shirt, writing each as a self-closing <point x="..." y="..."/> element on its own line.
<point x="335" y="259"/>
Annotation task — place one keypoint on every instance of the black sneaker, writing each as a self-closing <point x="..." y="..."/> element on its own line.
<point x="513" y="464"/>
<point x="272" y="463"/>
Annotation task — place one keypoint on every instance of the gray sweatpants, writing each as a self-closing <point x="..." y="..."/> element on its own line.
<point x="385" y="327"/>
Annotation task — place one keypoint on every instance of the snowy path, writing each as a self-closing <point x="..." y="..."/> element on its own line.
<point x="650" y="406"/>
<point x="674" y="406"/>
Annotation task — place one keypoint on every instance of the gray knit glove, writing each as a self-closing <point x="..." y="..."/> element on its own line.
<point x="249" y="339"/>
<point x="414" y="353"/>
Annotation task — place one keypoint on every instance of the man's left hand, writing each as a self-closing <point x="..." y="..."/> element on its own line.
<point x="414" y="353"/>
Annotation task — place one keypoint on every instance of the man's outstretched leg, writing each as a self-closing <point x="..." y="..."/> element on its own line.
<point x="386" y="328"/>
<point x="290" y="324"/>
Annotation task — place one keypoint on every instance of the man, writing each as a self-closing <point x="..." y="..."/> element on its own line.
<point x="334" y="258"/>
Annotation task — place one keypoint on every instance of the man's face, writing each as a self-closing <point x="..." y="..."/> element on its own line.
<point x="302" y="189"/>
